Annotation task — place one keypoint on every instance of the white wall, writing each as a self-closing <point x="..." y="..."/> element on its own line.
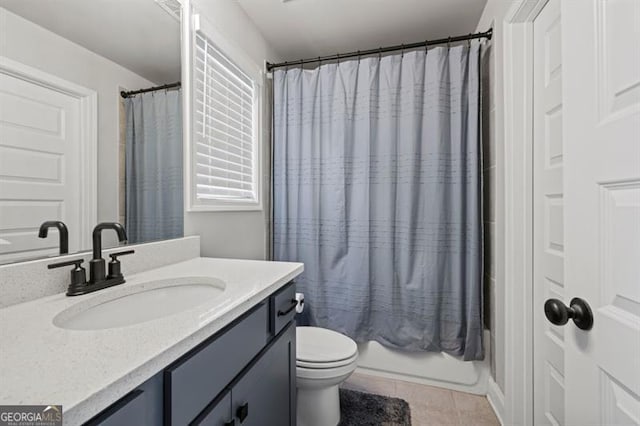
<point x="493" y="141"/>
<point x="235" y="234"/>
<point x="37" y="47"/>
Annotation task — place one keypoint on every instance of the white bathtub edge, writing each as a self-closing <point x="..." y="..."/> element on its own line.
<point x="433" y="369"/>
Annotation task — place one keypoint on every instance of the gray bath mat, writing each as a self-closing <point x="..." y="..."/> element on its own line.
<point x="365" y="409"/>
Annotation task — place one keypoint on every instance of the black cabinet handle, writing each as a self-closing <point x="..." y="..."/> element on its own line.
<point x="243" y="411"/>
<point x="291" y="307"/>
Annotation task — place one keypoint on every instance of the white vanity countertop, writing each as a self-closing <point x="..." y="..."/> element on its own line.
<point x="87" y="370"/>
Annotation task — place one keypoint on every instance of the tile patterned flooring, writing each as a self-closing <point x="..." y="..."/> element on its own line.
<point x="429" y="405"/>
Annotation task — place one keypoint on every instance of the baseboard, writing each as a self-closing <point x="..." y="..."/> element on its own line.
<point x="496" y="399"/>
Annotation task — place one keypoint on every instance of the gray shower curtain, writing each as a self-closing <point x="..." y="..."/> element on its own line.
<point x="153" y="166"/>
<point x="377" y="189"/>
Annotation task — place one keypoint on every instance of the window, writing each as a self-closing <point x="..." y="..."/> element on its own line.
<point x="225" y="164"/>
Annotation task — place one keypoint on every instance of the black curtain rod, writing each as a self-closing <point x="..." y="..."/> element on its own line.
<point x="380" y="50"/>
<point x="150" y="89"/>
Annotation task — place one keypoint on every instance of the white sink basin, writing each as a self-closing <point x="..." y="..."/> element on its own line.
<point x="144" y="302"/>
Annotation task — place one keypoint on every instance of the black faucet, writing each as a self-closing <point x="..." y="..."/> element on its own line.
<point x="62" y="230"/>
<point x="98" y="278"/>
<point x="97" y="264"/>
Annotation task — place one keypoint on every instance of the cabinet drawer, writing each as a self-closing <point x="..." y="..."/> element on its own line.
<point x="194" y="381"/>
<point x="283" y="307"/>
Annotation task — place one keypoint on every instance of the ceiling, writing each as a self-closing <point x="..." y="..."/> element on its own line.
<point x="308" y="28"/>
<point x="137" y="34"/>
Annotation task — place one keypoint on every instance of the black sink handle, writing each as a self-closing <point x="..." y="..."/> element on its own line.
<point x="114" y="265"/>
<point x="114" y="256"/>
<point x="78" y="274"/>
<point x="76" y="262"/>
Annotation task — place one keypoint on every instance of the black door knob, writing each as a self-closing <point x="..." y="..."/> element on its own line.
<point x="559" y="314"/>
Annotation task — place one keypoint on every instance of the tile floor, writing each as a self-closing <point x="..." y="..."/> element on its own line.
<point x="429" y="405"/>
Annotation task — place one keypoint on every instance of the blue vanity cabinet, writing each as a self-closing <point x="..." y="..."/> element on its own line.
<point x="218" y="414"/>
<point x="193" y="381"/>
<point x="142" y="406"/>
<point x="130" y="409"/>
<point x="243" y="375"/>
<point x="263" y="396"/>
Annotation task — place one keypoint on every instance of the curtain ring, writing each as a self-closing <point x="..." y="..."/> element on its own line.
<point x="358" y="56"/>
<point x="402" y="50"/>
<point x="319" y="61"/>
<point x="448" y="43"/>
<point x="379" y="53"/>
<point x="426" y="46"/>
<point x="469" y="41"/>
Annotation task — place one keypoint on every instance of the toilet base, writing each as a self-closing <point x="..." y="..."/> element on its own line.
<point x="318" y="378"/>
<point x="319" y="406"/>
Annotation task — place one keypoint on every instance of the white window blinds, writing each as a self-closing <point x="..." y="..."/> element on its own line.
<point x="224" y="135"/>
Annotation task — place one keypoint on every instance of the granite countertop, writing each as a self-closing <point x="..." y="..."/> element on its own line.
<point x="87" y="370"/>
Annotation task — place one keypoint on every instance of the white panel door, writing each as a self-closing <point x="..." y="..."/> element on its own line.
<point x="601" y="109"/>
<point x="39" y="167"/>
<point x="549" y="246"/>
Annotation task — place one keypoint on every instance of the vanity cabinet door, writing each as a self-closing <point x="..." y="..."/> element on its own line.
<point x="129" y="410"/>
<point x="141" y="407"/>
<point x="265" y="395"/>
<point x="218" y="414"/>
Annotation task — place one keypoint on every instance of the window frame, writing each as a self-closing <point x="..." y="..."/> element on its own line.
<point x="195" y="23"/>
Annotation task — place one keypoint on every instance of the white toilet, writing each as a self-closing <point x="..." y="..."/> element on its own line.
<point x="325" y="359"/>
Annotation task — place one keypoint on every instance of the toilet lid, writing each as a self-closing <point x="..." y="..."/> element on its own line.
<point x="319" y="345"/>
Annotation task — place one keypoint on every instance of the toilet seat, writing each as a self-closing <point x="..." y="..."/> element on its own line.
<point x="326" y="365"/>
<point x="321" y="348"/>
<point x="326" y="374"/>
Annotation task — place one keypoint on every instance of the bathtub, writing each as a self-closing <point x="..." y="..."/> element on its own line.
<point x="429" y="368"/>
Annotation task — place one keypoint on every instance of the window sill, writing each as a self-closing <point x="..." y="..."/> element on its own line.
<point x="224" y="208"/>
